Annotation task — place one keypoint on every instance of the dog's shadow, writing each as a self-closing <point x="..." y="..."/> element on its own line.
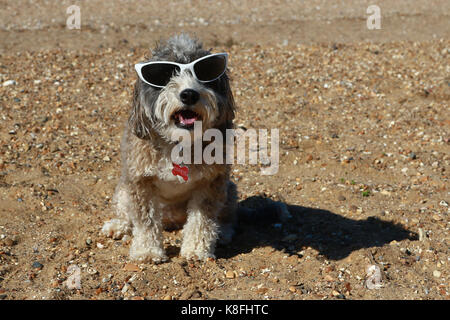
<point x="334" y="236"/>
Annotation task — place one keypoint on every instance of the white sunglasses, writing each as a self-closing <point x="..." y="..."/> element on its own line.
<point x="205" y="69"/>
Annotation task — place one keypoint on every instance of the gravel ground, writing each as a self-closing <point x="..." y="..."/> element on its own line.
<point x="364" y="157"/>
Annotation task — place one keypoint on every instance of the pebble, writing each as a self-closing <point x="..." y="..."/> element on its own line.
<point x="9" y="242"/>
<point x="436" y="217"/>
<point x="9" y="83"/>
<point x="329" y="278"/>
<point x="133" y="278"/>
<point x="262" y="290"/>
<point x="230" y="274"/>
<point x="131" y="267"/>
<point x="335" y="293"/>
<point x="373" y="277"/>
<point x="91" y="271"/>
<point x="342" y="198"/>
<point x="37" y="265"/>
<point x="422" y="234"/>
<point x="436" y="273"/>
<point x="125" y="288"/>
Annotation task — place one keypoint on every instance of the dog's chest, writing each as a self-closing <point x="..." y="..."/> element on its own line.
<point x="173" y="183"/>
<point x="173" y="190"/>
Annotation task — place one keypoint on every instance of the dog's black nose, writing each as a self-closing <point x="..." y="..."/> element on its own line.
<point x="189" y="96"/>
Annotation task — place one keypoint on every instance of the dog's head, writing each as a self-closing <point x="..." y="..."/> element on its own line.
<point x="183" y="99"/>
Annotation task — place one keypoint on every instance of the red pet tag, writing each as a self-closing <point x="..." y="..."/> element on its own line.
<point x="180" y="171"/>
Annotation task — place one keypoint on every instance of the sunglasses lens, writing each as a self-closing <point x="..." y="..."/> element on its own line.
<point x="210" y="68"/>
<point x="159" y="74"/>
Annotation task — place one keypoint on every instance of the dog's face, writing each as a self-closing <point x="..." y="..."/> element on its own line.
<point x="184" y="99"/>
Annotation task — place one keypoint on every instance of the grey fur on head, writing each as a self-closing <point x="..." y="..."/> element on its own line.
<point x="153" y="108"/>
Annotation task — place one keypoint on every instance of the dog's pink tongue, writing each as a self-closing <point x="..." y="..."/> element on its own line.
<point x="187" y="121"/>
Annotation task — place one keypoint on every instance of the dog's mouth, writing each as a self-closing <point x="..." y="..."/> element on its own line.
<point x="185" y="118"/>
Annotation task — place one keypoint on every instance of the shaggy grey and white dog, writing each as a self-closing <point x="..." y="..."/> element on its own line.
<point x="148" y="197"/>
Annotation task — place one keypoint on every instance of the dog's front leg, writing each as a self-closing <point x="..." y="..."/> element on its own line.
<point x="147" y="243"/>
<point x="200" y="232"/>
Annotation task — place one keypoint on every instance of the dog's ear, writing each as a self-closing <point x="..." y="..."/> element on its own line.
<point x="231" y="106"/>
<point x="138" y="120"/>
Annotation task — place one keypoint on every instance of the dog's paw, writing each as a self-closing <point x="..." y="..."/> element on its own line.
<point x="196" y="254"/>
<point x="141" y="253"/>
<point x="147" y="256"/>
<point x="116" y="228"/>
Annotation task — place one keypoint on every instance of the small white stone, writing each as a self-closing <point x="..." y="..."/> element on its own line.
<point x="373" y="277"/>
<point x="125" y="288"/>
<point x="436" y="273"/>
<point x="422" y="234"/>
<point x="9" y="83"/>
<point x="91" y="271"/>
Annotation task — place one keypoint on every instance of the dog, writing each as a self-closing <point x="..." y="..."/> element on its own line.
<point x="182" y="83"/>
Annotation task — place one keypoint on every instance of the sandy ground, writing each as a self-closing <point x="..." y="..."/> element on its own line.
<point x="364" y="149"/>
